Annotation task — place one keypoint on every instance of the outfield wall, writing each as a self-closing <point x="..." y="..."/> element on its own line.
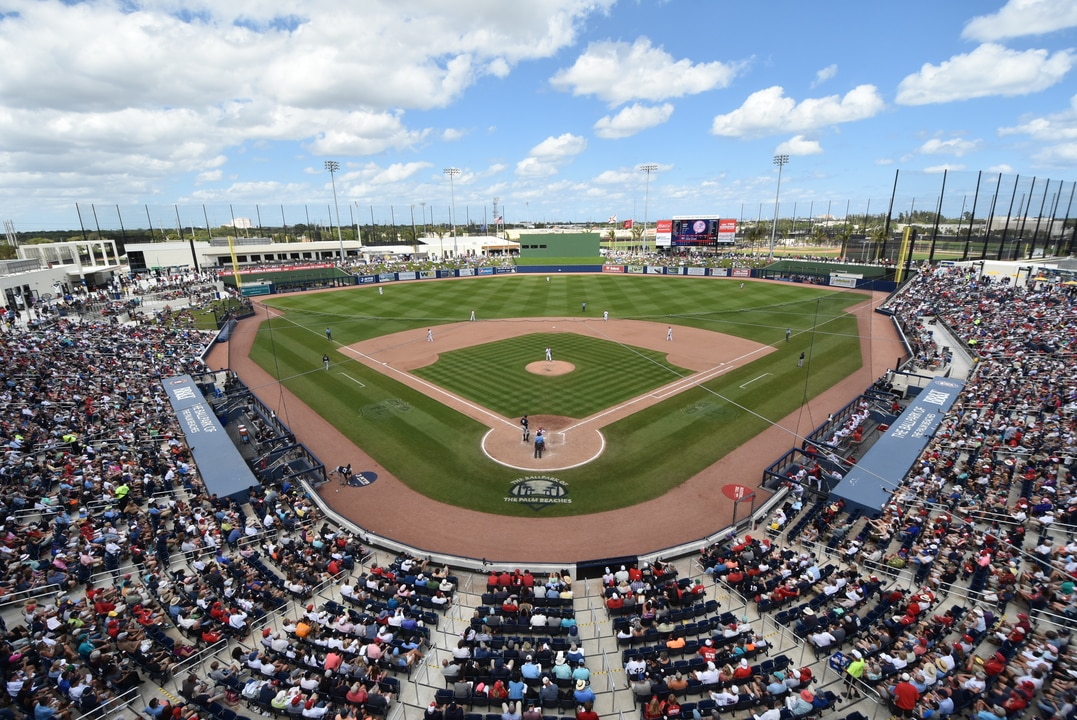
<point x="271" y="288"/>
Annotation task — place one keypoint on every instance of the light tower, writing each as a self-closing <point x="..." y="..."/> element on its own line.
<point x="647" y="168"/>
<point x="452" y="172"/>
<point x="780" y="161"/>
<point x="332" y="166"/>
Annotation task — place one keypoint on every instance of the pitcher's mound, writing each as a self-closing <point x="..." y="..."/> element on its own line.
<point x="551" y="368"/>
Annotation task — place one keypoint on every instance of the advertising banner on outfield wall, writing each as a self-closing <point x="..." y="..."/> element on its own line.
<point x="408" y="275"/>
<point x="695" y="271"/>
<point x="655" y="270"/>
<point x="486" y="271"/>
<point x="466" y="272"/>
<point x="613" y="268"/>
<point x="428" y="274"/>
<point x="503" y="270"/>
<point x="366" y="279"/>
<point x="719" y="272"/>
<point x="446" y="273"/>
<point x="845" y="280"/>
<point x="634" y="269"/>
<point x="386" y="277"/>
<point x="741" y="272"/>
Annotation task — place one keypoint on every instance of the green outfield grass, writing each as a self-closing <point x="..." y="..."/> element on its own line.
<point x="606" y="374"/>
<point x="435" y="450"/>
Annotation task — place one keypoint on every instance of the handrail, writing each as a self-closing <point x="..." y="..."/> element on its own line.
<point x="20" y="596"/>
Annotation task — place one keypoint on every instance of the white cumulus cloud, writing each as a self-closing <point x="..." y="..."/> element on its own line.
<point x="1018" y="18"/>
<point x="769" y="111"/>
<point x="550" y="154"/>
<point x="799" y="145"/>
<point x="990" y="69"/>
<point x="632" y="119"/>
<point x="952" y="146"/>
<point x="156" y="88"/>
<point x="1056" y="126"/>
<point x="825" y="74"/>
<point x="1062" y="155"/>
<point x="619" y="72"/>
<point x="946" y="167"/>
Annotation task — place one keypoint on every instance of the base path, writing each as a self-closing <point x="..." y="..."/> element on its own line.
<point x="691" y="511"/>
<point x="570" y="443"/>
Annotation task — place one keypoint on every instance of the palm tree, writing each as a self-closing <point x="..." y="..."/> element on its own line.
<point x="754" y="236"/>
<point x="878" y="237"/>
<point x="843" y="236"/>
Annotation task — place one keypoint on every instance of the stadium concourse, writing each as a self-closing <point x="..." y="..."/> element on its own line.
<point x="128" y="591"/>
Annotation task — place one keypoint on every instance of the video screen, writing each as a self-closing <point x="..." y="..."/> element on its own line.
<point x="695" y="231"/>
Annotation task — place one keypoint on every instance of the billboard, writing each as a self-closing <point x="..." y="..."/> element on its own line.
<point x="663" y="233"/>
<point x="701" y="231"/>
<point x="727" y="231"/>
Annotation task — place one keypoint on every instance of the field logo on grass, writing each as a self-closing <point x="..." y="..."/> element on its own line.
<point x="385" y="409"/>
<point x="706" y="408"/>
<point x="538" y="491"/>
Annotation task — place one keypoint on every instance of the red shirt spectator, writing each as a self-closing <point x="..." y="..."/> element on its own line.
<point x="906" y="695"/>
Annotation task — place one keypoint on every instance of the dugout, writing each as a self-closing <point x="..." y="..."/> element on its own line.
<point x="870" y="482"/>
<point x="541" y="246"/>
<point x="222" y="467"/>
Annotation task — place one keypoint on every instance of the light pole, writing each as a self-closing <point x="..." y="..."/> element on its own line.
<point x="332" y="166"/>
<point x="414" y="233"/>
<point x="496" y="201"/>
<point x="452" y="172"/>
<point x="780" y="161"/>
<point x="647" y="168"/>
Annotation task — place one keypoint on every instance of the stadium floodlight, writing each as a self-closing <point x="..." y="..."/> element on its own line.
<point x="647" y="168"/>
<point x="332" y="166"/>
<point x="780" y="161"/>
<point x="452" y="172"/>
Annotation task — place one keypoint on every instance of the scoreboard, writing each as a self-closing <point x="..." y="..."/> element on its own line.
<point x="701" y="231"/>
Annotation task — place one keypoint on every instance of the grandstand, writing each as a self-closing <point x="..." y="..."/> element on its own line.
<point x="130" y="587"/>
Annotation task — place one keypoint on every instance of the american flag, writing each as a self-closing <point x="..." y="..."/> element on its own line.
<point x="498" y="220"/>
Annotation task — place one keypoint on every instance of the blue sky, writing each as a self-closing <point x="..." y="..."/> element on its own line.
<point x="549" y="105"/>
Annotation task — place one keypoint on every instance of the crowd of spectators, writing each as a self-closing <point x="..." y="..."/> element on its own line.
<point x="125" y="566"/>
<point x="957" y="595"/>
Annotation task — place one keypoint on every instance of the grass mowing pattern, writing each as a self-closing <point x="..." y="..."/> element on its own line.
<point x="435" y="450"/>
<point x="606" y="374"/>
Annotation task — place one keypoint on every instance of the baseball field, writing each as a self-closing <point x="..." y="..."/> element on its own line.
<point x="631" y="412"/>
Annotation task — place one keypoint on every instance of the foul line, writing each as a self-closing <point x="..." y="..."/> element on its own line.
<point x="753" y="380"/>
<point x="674" y="388"/>
<point x="433" y="388"/>
<point x="353" y="379"/>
